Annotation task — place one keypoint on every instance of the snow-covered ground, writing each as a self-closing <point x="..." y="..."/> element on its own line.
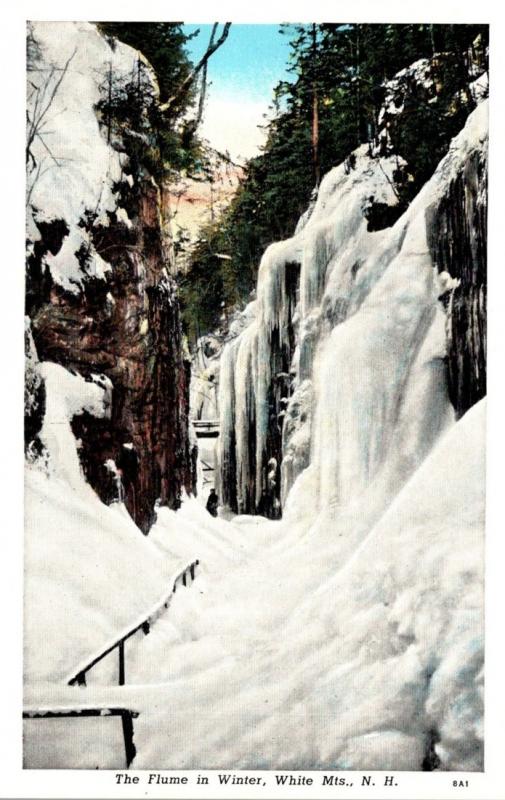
<point x="348" y="662"/>
<point x="74" y="606"/>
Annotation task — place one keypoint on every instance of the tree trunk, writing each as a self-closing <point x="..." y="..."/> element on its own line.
<point x="315" y="111"/>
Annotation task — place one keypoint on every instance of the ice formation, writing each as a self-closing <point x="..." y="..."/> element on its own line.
<point x="362" y="329"/>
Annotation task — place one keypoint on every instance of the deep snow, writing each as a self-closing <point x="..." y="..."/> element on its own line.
<point x="346" y="663"/>
<point x="90" y="575"/>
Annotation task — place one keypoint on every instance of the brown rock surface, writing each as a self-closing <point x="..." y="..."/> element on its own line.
<point x="128" y="328"/>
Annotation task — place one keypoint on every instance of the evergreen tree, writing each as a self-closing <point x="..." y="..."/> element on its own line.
<point x="163" y="45"/>
<point x="327" y="108"/>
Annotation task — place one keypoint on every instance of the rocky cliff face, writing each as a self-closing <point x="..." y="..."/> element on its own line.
<point x="457" y="228"/>
<point x="101" y="300"/>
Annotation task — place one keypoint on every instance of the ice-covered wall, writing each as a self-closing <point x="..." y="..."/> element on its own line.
<point x="360" y="340"/>
<point x="205" y="378"/>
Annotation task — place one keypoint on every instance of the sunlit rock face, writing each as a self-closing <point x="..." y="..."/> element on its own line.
<point x="99" y="293"/>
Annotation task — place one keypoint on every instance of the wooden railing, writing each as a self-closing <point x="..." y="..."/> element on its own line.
<point x="127" y="716"/>
<point x="79" y="679"/>
<point x="206" y="428"/>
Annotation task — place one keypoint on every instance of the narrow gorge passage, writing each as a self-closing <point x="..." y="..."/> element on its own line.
<point x="300" y="327"/>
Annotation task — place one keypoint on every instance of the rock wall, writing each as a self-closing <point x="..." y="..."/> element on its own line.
<point x="457" y="228"/>
<point x="128" y="328"/>
<point x="121" y="319"/>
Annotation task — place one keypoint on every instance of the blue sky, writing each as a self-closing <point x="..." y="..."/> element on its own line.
<point x="242" y="75"/>
<point x="251" y="61"/>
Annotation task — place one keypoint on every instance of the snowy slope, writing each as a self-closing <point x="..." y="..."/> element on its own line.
<point x="90" y="575"/>
<point x="366" y="667"/>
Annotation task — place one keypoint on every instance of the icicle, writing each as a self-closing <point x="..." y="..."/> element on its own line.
<point x="111" y="467"/>
<point x="369" y="336"/>
<point x="226" y="448"/>
<point x="245" y="418"/>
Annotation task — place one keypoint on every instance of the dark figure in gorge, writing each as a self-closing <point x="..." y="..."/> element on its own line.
<point x="212" y="503"/>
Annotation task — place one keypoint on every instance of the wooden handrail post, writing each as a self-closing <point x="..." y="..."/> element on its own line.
<point x="145" y="626"/>
<point x="130" y="749"/>
<point x="121" y="665"/>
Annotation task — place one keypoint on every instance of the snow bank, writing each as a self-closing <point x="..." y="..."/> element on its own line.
<point x="90" y="574"/>
<point x="265" y="665"/>
<point x="414" y="604"/>
<point x="367" y="665"/>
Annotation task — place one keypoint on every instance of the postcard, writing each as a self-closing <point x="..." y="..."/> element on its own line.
<point x="255" y="407"/>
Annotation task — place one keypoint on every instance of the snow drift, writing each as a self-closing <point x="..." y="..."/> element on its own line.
<point x="372" y="660"/>
<point x="90" y="575"/>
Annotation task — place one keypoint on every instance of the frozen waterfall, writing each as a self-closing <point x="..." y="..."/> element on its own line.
<point x="344" y="366"/>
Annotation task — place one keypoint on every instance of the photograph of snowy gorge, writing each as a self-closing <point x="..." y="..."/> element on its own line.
<point x="255" y="379"/>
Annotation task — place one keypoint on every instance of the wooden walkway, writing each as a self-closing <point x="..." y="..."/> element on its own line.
<point x="80" y="710"/>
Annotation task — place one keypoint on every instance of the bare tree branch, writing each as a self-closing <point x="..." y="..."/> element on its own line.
<point x="192" y="125"/>
<point x="41" y="106"/>
<point x="211" y="49"/>
<point x="46" y="147"/>
<point x="203" y="88"/>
